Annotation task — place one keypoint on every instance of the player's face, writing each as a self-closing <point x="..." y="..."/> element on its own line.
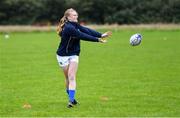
<point x="73" y="16"/>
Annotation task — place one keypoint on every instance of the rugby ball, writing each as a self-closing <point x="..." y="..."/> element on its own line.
<point x="135" y="39"/>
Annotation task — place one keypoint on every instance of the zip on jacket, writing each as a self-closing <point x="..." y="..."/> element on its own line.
<point x="68" y="45"/>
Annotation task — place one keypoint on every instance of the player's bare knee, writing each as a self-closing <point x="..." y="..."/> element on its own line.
<point x="71" y="75"/>
<point x="71" y="78"/>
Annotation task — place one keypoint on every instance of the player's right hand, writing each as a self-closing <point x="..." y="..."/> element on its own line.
<point x="101" y="40"/>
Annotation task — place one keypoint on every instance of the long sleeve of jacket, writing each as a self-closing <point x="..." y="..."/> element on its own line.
<point x="72" y="31"/>
<point x="89" y="31"/>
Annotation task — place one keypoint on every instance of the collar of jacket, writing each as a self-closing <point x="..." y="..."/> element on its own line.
<point x="73" y="23"/>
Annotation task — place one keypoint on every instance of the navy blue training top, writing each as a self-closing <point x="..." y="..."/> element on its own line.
<point x="70" y="38"/>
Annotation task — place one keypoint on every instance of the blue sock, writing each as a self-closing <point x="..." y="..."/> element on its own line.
<point x="71" y="95"/>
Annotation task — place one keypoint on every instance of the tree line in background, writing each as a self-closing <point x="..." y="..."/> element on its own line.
<point x="31" y="12"/>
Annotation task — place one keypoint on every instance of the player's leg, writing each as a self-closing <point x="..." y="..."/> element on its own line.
<point x="65" y="70"/>
<point x="72" y="70"/>
<point x="64" y="64"/>
<point x="73" y="66"/>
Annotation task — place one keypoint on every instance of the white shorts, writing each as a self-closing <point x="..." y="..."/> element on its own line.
<point x="64" y="61"/>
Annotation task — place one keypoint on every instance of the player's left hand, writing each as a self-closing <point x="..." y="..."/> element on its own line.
<point x="106" y="34"/>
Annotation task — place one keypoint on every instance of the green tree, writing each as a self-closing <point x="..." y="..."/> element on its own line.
<point x="20" y="11"/>
<point x="51" y="11"/>
<point x="91" y="11"/>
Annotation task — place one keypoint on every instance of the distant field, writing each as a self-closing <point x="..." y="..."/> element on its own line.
<point x="21" y="28"/>
<point x="114" y="79"/>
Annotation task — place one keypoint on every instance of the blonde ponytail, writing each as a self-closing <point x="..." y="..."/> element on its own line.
<point x="61" y="24"/>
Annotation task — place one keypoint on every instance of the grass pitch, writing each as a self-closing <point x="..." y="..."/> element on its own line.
<point x="114" y="79"/>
